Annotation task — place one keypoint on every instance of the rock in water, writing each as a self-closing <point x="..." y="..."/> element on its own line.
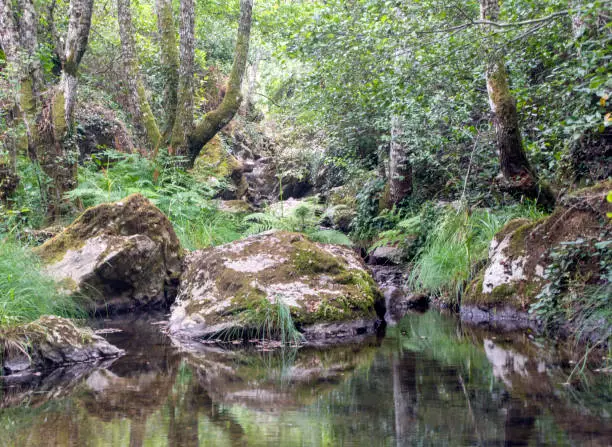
<point x="121" y="255"/>
<point x="227" y="291"/>
<point x="520" y="257"/>
<point x="50" y="342"/>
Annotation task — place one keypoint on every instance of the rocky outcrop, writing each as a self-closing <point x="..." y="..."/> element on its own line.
<point x="51" y="342"/>
<point x="120" y="255"/>
<point x="232" y="290"/>
<point x="520" y="258"/>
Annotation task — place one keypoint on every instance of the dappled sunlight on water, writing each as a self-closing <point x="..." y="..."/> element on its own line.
<point x="427" y="382"/>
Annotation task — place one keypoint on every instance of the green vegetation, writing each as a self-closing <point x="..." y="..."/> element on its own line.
<point x="112" y="175"/>
<point x="25" y="292"/>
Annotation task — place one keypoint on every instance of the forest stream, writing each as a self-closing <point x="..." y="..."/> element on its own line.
<point x="425" y="381"/>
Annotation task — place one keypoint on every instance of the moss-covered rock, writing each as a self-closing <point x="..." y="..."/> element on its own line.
<point x="519" y="254"/>
<point x="222" y="287"/>
<point x="121" y="255"/>
<point x="50" y="342"/>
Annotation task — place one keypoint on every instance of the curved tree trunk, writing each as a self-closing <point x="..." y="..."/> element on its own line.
<point x="216" y="120"/>
<point x="400" y="169"/>
<point x="518" y="174"/>
<point x="183" y="122"/>
<point x="141" y="110"/>
<point x="170" y="61"/>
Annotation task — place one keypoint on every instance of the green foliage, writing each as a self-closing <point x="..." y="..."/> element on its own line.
<point x="366" y="225"/>
<point x="111" y="176"/>
<point x="579" y="287"/>
<point x="25" y="292"/>
<point x="303" y="218"/>
<point x="27" y="207"/>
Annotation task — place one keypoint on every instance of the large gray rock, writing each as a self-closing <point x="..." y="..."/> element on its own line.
<point x="226" y="291"/>
<point x="51" y="342"/>
<point x="121" y="255"/>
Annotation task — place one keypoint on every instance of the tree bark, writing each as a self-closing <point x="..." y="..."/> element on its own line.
<point x="518" y="174"/>
<point x="216" y="120"/>
<point x="19" y="42"/>
<point x="170" y="61"/>
<point x="58" y="152"/>
<point x="183" y="123"/>
<point x="400" y="169"/>
<point x="141" y="109"/>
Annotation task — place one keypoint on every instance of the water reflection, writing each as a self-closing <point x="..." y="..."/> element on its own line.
<point x="428" y="382"/>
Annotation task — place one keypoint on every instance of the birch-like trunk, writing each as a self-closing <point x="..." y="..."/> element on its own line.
<point x="217" y="119"/>
<point x="518" y="174"/>
<point x="400" y="169"/>
<point x="183" y="123"/>
<point x="170" y="61"/>
<point x="139" y="104"/>
<point x="18" y="38"/>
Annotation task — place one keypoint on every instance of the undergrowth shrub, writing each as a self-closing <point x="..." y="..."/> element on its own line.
<point x="579" y="287"/>
<point x="304" y="219"/>
<point x="112" y="175"/>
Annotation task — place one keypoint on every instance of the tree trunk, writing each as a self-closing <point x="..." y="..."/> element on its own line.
<point x="518" y="174"/>
<point x="170" y="61"/>
<point x="19" y="42"/>
<point x="57" y="150"/>
<point x="248" y="103"/>
<point x="141" y="110"/>
<point x="183" y="123"/>
<point x="216" y="120"/>
<point x="400" y="169"/>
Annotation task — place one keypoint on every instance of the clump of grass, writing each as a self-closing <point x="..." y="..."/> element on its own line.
<point x="265" y="320"/>
<point x="25" y="292"/>
<point x="272" y="321"/>
<point x="457" y="244"/>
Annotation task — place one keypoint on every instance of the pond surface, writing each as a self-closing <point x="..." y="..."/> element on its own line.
<point x="428" y="381"/>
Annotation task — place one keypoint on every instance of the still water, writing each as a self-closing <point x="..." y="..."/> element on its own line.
<point x="428" y="381"/>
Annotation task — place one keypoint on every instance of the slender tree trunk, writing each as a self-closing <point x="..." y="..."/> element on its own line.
<point x="183" y="123"/>
<point x="170" y="61"/>
<point x="216" y="120"/>
<point x="141" y="110"/>
<point x="248" y="104"/>
<point x="518" y="173"/>
<point x="400" y="169"/>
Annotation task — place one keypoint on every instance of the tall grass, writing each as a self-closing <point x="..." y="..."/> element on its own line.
<point x="272" y="321"/>
<point x="457" y="243"/>
<point x="25" y="292"/>
<point x="265" y="320"/>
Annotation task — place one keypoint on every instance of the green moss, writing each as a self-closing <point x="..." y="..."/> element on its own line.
<point x="136" y="216"/>
<point x="148" y="119"/>
<point x="510" y="227"/>
<point x="58" y="114"/>
<point x="309" y="259"/>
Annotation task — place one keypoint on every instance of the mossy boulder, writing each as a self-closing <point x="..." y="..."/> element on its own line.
<point x="120" y="255"/>
<point x="222" y="287"/>
<point x="519" y="255"/>
<point x="51" y="342"/>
